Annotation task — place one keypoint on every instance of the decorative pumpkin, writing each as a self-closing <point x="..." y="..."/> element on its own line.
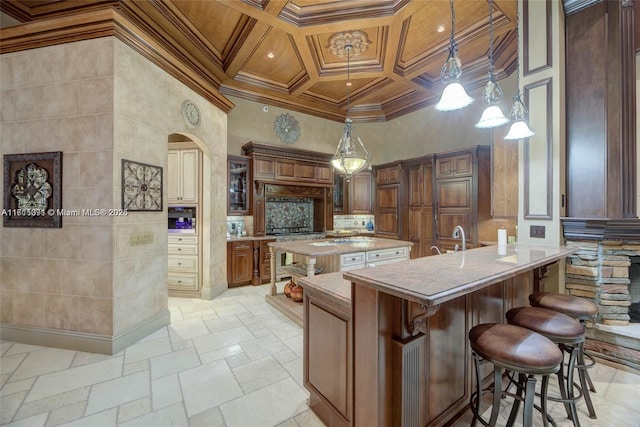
<point x="296" y="293"/>
<point x="287" y="288"/>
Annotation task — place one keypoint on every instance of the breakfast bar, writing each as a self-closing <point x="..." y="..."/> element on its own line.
<point x="396" y="335"/>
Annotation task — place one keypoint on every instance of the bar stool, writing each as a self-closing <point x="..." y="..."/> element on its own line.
<point x="517" y="349"/>
<point x="568" y="334"/>
<point x="581" y="309"/>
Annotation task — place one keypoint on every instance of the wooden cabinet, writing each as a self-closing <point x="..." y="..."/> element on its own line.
<point x="463" y="195"/>
<point x="290" y="172"/>
<point x="239" y="185"/>
<point x="263" y="167"/>
<point x="265" y="261"/>
<point x="328" y="366"/>
<point x="504" y="195"/>
<point x="389" y="201"/>
<point x="183" y="176"/>
<point x="354" y="196"/>
<point x="420" y="210"/>
<point x="183" y="265"/>
<point x="239" y="263"/>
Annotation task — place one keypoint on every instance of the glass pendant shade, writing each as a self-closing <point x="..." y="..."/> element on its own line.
<point x="519" y="128"/>
<point x="453" y="97"/>
<point x="492" y="117"/>
<point x="351" y="156"/>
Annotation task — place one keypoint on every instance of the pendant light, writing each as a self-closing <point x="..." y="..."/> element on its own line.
<point x="453" y="96"/>
<point x="519" y="128"/>
<point x="492" y="115"/>
<point x="351" y="156"/>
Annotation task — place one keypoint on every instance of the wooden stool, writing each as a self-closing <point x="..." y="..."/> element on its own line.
<point x="516" y="349"/>
<point x="568" y="334"/>
<point x="581" y="309"/>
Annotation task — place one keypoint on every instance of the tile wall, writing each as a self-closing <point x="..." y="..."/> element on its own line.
<point x="98" y="102"/>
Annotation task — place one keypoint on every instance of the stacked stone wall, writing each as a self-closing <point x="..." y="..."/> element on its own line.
<point x="600" y="271"/>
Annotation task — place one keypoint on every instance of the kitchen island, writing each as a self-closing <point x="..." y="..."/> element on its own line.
<point x="327" y="256"/>
<point x="388" y="345"/>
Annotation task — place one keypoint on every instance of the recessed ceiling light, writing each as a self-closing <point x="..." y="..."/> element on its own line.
<point x="270" y="55"/>
<point x="348" y="83"/>
<point x="440" y="28"/>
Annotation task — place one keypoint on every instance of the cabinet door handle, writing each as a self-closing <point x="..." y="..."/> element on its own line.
<point x="181" y="263"/>
<point x="179" y="249"/>
<point x="179" y="281"/>
<point x="377" y="255"/>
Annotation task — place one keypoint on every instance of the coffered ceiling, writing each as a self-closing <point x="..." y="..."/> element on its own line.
<point x="277" y="52"/>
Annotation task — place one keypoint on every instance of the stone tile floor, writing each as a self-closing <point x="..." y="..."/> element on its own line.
<point x="232" y="361"/>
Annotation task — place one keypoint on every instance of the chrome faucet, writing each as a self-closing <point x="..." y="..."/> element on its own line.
<point x="457" y="231"/>
<point x="437" y="249"/>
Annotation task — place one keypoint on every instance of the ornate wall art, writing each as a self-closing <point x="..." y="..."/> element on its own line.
<point x="33" y="190"/>
<point x="141" y="186"/>
<point x="286" y="128"/>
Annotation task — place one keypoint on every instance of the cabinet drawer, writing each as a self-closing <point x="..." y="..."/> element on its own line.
<point x="183" y="282"/>
<point x="349" y="260"/>
<point x="183" y="239"/>
<point x="387" y="254"/>
<point x="183" y="249"/>
<point x="183" y="263"/>
<point x="238" y="246"/>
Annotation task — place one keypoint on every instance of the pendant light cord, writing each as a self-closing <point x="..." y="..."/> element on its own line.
<point x="348" y="48"/>
<point x="491" y="68"/>
<point x="453" y="27"/>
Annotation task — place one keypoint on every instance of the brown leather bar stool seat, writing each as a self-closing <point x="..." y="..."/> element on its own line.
<point x="568" y="334"/>
<point x="579" y="308"/>
<point x="516" y="349"/>
<point x="576" y="307"/>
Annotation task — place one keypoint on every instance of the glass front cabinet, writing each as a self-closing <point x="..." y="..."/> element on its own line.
<point x="239" y="183"/>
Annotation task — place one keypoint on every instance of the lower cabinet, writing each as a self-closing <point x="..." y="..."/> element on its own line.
<point x="239" y="263"/>
<point x="328" y="369"/>
<point x="183" y="265"/>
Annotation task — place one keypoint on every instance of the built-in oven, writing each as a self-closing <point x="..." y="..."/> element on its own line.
<point x="182" y="219"/>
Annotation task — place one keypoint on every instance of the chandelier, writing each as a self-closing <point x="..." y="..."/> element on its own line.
<point x="454" y="96"/>
<point x="351" y="155"/>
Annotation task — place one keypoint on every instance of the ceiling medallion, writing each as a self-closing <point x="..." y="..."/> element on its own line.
<point x="286" y="128"/>
<point x="358" y="40"/>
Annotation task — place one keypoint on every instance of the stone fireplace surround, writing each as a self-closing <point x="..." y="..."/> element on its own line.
<point x="600" y="269"/>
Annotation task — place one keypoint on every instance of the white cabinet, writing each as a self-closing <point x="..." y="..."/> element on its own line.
<point x="182" y="176"/>
<point x="183" y="263"/>
<point x="387" y="256"/>
<point x="352" y="261"/>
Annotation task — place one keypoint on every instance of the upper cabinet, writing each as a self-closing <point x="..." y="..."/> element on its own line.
<point x="354" y="196"/>
<point x="183" y="166"/>
<point x="462" y="194"/>
<point x="239" y="185"/>
<point x="389" y="200"/>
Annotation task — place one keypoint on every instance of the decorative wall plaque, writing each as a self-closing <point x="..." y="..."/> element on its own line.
<point x="33" y="190"/>
<point x="141" y="186"/>
<point x="287" y="128"/>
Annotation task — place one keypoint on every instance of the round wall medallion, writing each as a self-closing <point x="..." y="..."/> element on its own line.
<point x="286" y="128"/>
<point x="191" y="113"/>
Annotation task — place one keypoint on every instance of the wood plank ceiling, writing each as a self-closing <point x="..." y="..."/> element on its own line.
<point x="277" y="52"/>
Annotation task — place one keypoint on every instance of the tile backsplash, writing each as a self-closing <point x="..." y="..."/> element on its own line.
<point x="286" y="214"/>
<point x="351" y="222"/>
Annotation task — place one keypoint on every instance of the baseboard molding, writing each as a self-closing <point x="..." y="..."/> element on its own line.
<point x="84" y="341"/>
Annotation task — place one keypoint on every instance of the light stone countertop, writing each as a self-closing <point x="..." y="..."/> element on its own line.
<point x="436" y="279"/>
<point x="331" y="284"/>
<point x="338" y="246"/>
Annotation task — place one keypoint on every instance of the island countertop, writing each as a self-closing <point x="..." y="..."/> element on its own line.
<point x="314" y="248"/>
<point x="436" y="279"/>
